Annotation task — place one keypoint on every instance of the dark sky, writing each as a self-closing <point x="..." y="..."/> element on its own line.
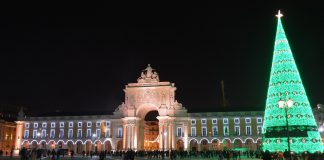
<point x="79" y="57"/>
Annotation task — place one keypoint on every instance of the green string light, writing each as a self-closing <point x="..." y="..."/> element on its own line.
<point x="285" y="83"/>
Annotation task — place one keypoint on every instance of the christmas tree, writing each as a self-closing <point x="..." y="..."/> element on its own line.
<point x="287" y="105"/>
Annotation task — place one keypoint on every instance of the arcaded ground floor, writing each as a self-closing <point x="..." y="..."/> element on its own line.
<point x="193" y="144"/>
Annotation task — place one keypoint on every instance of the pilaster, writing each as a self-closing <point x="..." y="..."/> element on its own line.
<point x="131" y="136"/>
<point x="19" y="131"/>
<point x="163" y="132"/>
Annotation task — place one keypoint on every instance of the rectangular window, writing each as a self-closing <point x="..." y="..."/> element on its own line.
<point x="70" y="133"/>
<point x="179" y="132"/>
<point x="26" y="125"/>
<point x="226" y="131"/>
<point x="237" y="130"/>
<point x="52" y="133"/>
<point x="44" y="124"/>
<point x="225" y="120"/>
<point x="259" y="120"/>
<point x="248" y="130"/>
<point x="259" y="130"/>
<point x="214" y="121"/>
<point x="53" y="125"/>
<point x="203" y="121"/>
<point x="35" y="125"/>
<point x="108" y="123"/>
<point x="43" y="133"/>
<point x="215" y="131"/>
<point x="193" y="122"/>
<point x="98" y="133"/>
<point x="26" y="134"/>
<point x="70" y="124"/>
<point x="204" y="131"/>
<point x="120" y="133"/>
<point x="98" y="124"/>
<point x="193" y="131"/>
<point x="89" y="124"/>
<point x="61" y="124"/>
<point x="107" y="133"/>
<point x="236" y="120"/>
<point x="79" y="133"/>
<point x="79" y="124"/>
<point x="61" y="134"/>
<point x="247" y="120"/>
<point x="34" y="133"/>
<point x="89" y="133"/>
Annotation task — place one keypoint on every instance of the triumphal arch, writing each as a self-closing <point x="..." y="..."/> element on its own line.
<point x="149" y="94"/>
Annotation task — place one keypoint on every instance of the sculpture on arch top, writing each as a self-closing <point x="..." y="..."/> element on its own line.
<point x="148" y="75"/>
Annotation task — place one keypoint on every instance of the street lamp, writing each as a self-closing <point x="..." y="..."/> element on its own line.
<point x="286" y="105"/>
<point x="94" y="136"/>
<point x="321" y="129"/>
<point x="38" y="134"/>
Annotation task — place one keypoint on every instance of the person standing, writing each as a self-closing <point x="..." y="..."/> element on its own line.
<point x="72" y="153"/>
<point x="267" y="155"/>
<point x="287" y="154"/>
<point x="11" y="153"/>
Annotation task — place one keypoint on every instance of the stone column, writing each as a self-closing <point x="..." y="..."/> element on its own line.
<point x="131" y="132"/>
<point x="84" y="147"/>
<point x="93" y="147"/>
<point x="199" y="146"/>
<point x="128" y="137"/>
<point x="124" y="137"/>
<point x="139" y="135"/>
<point x="163" y="139"/>
<point x="161" y="129"/>
<point x="75" y="148"/>
<point x="185" y="131"/>
<point x="171" y="134"/>
<point x="173" y="130"/>
<point x="19" y="134"/>
<point x="135" y="136"/>
<point x="103" y="147"/>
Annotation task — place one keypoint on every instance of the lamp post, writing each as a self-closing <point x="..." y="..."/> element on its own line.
<point x="286" y="105"/>
<point x="94" y="136"/>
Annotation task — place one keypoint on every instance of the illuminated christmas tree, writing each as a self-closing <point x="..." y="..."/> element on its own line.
<point x="287" y="105"/>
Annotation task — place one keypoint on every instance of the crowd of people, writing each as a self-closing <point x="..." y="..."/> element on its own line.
<point x="226" y="154"/>
<point x="267" y="155"/>
<point x="6" y="153"/>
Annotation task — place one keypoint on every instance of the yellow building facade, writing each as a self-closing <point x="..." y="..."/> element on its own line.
<point x="7" y="136"/>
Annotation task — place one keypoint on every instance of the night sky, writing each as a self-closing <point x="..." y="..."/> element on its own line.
<point x="79" y="57"/>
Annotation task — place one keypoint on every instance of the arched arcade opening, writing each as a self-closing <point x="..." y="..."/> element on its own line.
<point x="151" y="131"/>
<point x="193" y="145"/>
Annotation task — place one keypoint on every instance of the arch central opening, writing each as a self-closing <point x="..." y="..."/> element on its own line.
<point x="151" y="131"/>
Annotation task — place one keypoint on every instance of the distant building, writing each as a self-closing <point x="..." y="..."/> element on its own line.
<point x="319" y="117"/>
<point x="8" y="114"/>
<point x="7" y="136"/>
<point x="126" y="128"/>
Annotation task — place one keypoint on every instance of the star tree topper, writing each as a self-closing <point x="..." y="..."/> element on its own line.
<point x="279" y="15"/>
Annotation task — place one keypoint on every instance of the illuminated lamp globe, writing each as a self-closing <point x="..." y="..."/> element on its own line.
<point x="281" y="103"/>
<point x="290" y="103"/>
